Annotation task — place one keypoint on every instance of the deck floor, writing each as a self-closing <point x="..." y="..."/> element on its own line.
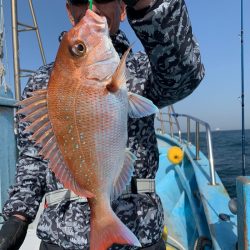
<point x="31" y="241"/>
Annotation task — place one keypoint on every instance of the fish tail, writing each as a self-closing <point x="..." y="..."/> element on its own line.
<point x="108" y="230"/>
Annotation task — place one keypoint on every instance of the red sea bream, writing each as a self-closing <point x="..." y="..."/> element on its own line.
<point x="80" y="122"/>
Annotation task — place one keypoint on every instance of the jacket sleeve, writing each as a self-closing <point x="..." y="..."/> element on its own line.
<point x="29" y="187"/>
<point x="175" y="67"/>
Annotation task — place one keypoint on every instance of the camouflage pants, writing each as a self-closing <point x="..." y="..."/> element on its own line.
<point x="158" y="246"/>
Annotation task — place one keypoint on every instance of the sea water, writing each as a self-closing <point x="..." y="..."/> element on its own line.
<point x="227" y="150"/>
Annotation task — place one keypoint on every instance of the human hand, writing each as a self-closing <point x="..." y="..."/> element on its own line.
<point x="12" y="233"/>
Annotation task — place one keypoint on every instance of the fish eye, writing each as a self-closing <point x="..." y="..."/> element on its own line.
<point x="79" y="49"/>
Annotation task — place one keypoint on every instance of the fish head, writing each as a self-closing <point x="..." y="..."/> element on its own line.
<point x="88" y="50"/>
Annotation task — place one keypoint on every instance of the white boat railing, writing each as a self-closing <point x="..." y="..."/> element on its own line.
<point x="169" y="120"/>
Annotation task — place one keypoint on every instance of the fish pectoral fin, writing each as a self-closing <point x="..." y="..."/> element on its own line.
<point x="119" y="76"/>
<point x="111" y="230"/>
<point x="124" y="177"/>
<point x="140" y="106"/>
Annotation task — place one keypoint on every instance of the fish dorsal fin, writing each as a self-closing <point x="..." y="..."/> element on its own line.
<point x="119" y="76"/>
<point x="36" y="110"/>
<point x="124" y="177"/>
<point x="140" y="106"/>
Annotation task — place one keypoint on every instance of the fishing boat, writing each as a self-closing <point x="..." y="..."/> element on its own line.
<point x="195" y="201"/>
<point x="198" y="211"/>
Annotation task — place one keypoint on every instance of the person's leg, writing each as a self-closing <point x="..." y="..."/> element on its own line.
<point x="48" y="246"/>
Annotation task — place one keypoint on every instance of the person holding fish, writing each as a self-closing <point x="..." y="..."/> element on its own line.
<point x="86" y="128"/>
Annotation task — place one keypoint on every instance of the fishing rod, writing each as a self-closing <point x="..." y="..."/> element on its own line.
<point x="242" y="94"/>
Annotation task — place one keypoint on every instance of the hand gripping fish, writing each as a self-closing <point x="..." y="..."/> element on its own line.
<point x="80" y="122"/>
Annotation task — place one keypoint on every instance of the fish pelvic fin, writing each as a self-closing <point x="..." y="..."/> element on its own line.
<point x="124" y="177"/>
<point x="140" y="106"/>
<point x="119" y="76"/>
<point x="110" y="230"/>
<point x="35" y="109"/>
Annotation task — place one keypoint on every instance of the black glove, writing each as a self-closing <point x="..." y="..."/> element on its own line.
<point x="130" y="3"/>
<point x="12" y="233"/>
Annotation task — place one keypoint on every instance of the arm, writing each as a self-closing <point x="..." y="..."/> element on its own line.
<point x="165" y="31"/>
<point x="28" y="190"/>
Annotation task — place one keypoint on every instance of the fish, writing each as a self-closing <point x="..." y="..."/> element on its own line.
<point x="80" y="124"/>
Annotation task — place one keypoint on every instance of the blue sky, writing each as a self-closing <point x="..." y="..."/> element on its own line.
<point x="216" y="25"/>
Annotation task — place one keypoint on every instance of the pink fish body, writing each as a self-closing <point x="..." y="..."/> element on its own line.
<point x="80" y="122"/>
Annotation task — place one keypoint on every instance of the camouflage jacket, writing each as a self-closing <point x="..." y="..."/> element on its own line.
<point x="168" y="72"/>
